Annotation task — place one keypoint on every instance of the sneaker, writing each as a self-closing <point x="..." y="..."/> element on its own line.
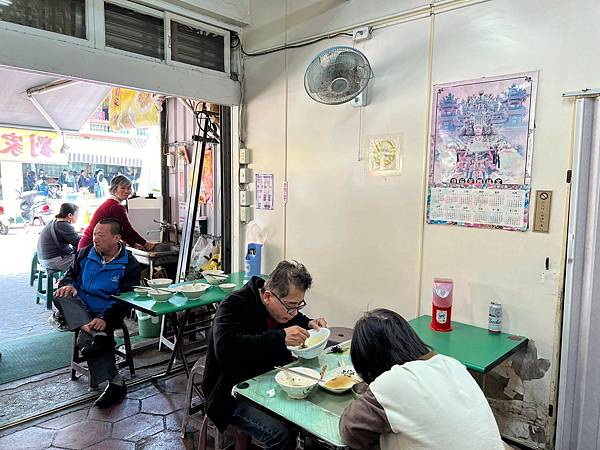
<point x="113" y="394"/>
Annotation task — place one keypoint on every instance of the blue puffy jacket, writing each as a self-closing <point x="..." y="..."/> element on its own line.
<point x="96" y="282"/>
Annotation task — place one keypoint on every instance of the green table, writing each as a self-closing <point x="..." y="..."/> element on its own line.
<point x="177" y="303"/>
<point x="479" y="350"/>
<point x="318" y="414"/>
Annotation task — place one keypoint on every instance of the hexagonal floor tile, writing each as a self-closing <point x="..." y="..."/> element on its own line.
<point x="164" y="440"/>
<point x="65" y="420"/>
<point x="142" y="393"/>
<point x="138" y="427"/>
<point x="163" y="403"/>
<point x="117" y="412"/>
<point x="83" y="434"/>
<point x="32" y="438"/>
<point x="112" y="444"/>
<point x="175" y="385"/>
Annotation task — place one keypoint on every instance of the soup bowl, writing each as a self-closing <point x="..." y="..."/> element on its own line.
<point x="296" y="386"/>
<point x="159" y="282"/>
<point x="313" y="346"/>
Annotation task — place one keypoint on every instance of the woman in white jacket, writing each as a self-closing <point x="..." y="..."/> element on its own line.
<point x="417" y="399"/>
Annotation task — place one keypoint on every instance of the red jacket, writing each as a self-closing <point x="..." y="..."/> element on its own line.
<point x="112" y="209"/>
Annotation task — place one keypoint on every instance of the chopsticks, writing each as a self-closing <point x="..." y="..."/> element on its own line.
<point x="156" y="289"/>
<point x="216" y="275"/>
<point x="299" y="373"/>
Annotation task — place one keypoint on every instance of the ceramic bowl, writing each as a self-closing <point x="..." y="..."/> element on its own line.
<point x="339" y="380"/>
<point x="297" y="386"/>
<point x="211" y="279"/>
<point x="141" y="292"/>
<point x="160" y="296"/>
<point x="228" y="287"/>
<point x="314" y="345"/>
<point x="194" y="290"/>
<point x="159" y="282"/>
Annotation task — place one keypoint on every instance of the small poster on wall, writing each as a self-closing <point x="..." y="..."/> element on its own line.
<point x="264" y="191"/>
<point x="481" y="149"/>
<point x="385" y="155"/>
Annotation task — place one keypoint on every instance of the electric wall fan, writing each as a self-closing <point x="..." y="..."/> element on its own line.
<point x="337" y="75"/>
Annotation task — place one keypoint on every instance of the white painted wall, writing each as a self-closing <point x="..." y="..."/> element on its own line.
<point x="361" y="236"/>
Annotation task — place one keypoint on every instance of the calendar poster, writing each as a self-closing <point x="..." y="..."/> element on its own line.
<point x="481" y="149"/>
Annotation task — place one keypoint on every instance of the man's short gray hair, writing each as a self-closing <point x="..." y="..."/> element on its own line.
<point x="288" y="274"/>
<point x="118" y="180"/>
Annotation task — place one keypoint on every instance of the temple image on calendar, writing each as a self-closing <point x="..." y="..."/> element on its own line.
<point x="481" y="132"/>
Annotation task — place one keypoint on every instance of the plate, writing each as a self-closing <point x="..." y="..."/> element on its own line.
<point x="347" y="371"/>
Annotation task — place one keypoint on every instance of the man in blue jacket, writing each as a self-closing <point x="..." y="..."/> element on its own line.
<point x="100" y="270"/>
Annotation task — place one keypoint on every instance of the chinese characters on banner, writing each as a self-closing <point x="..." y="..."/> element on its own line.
<point x="481" y="149"/>
<point x="264" y="191"/>
<point x="31" y="146"/>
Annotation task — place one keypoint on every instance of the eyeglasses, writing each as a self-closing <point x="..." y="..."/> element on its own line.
<point x="290" y="310"/>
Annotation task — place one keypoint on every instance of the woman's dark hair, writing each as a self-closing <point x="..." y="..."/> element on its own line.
<point x="381" y="340"/>
<point x="66" y="209"/>
<point x="117" y="181"/>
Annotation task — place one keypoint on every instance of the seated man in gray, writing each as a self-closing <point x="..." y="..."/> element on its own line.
<point x="100" y="270"/>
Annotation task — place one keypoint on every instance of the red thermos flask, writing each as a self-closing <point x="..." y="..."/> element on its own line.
<point x="441" y="314"/>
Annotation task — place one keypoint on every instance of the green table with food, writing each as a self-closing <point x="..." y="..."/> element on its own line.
<point x="166" y="299"/>
<point x="319" y="413"/>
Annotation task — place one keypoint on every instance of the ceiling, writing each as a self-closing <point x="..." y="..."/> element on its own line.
<point x="69" y="106"/>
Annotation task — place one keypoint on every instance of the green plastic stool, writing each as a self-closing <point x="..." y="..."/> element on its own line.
<point x="35" y="269"/>
<point x="47" y="294"/>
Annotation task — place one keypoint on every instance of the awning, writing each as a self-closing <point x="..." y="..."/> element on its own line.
<point x="103" y="151"/>
<point x="69" y="106"/>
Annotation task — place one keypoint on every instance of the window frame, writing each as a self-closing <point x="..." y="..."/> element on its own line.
<point x="202" y="26"/>
<point x="100" y="28"/>
<point x="88" y="41"/>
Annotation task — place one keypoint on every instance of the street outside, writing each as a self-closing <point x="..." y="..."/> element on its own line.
<point x="21" y="315"/>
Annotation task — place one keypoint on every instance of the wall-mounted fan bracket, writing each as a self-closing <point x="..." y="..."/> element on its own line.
<point x="361" y="34"/>
<point x="360" y="99"/>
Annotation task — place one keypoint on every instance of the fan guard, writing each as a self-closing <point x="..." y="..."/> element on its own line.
<point x="337" y="75"/>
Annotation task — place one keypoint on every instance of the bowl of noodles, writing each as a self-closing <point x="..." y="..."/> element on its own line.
<point x="296" y="386"/>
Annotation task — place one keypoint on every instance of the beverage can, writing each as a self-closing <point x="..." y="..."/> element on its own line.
<point x="495" y="318"/>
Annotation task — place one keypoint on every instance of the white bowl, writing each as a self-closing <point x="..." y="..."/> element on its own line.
<point x="315" y="344"/>
<point x="194" y="290"/>
<point x="159" y="282"/>
<point x="208" y="276"/>
<point x="297" y="386"/>
<point x="345" y="377"/>
<point x="160" y="296"/>
<point x="228" y="287"/>
<point x="141" y="292"/>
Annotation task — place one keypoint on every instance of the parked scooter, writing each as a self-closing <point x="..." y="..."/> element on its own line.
<point x="34" y="208"/>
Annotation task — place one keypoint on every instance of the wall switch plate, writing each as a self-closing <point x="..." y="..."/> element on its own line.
<point x="541" y="218"/>
<point x="245" y="175"/>
<point x="244" y="156"/>
<point x="245" y="198"/>
<point x="245" y="214"/>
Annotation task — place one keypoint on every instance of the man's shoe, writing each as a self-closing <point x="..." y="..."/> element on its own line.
<point x="99" y="345"/>
<point x="113" y="394"/>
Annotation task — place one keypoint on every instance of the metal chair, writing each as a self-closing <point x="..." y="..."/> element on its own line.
<point x="77" y="359"/>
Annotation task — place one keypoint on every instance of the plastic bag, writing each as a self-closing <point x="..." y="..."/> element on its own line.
<point x="201" y="252"/>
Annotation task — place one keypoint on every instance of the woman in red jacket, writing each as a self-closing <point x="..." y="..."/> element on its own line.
<point x="120" y="190"/>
